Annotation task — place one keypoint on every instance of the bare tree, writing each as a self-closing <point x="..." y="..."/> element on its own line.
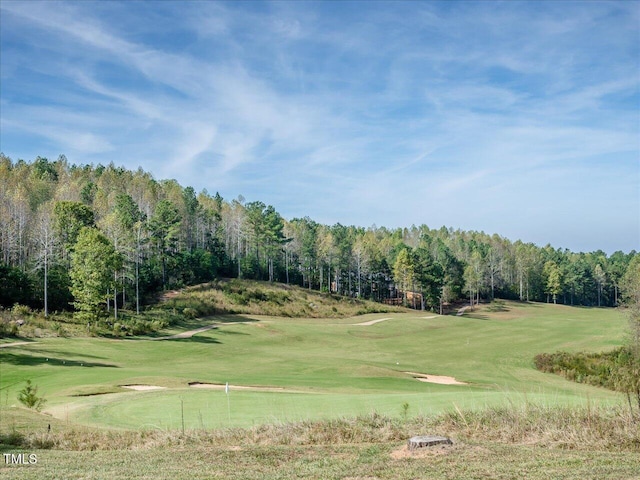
<point x="45" y="244"/>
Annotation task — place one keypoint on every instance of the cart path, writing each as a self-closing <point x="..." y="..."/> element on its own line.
<point x="16" y="344"/>
<point x="188" y="334"/>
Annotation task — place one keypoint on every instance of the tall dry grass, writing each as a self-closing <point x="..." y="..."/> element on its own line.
<point x="602" y="428"/>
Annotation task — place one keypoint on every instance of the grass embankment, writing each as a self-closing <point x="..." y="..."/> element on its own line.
<point x="530" y="442"/>
<point x="177" y="308"/>
<point x="250" y="297"/>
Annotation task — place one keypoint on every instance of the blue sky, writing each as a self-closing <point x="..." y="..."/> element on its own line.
<point x="516" y="118"/>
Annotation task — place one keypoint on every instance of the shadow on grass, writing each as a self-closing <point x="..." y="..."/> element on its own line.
<point x="194" y="339"/>
<point x="231" y="319"/>
<point x="42" y="351"/>
<point x="30" y="360"/>
<point x="476" y="316"/>
<point x="193" y="324"/>
<point x="527" y="304"/>
<point x="222" y="331"/>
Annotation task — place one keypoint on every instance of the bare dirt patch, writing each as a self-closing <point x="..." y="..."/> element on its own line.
<point x="143" y="387"/>
<point x="171" y="294"/>
<point x="441" y="379"/>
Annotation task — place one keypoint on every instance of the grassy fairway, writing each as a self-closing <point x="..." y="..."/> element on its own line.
<point x="321" y="368"/>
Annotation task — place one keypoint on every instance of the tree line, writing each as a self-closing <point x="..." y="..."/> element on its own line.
<point x="95" y="238"/>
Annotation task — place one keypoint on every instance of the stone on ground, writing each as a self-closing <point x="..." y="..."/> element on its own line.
<point x="427" y="441"/>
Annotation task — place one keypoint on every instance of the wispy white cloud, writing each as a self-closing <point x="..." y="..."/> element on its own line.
<point x="341" y="111"/>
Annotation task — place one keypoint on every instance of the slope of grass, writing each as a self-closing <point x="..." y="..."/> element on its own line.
<point x="263" y="298"/>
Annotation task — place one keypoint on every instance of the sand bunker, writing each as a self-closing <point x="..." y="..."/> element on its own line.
<point x="371" y="322"/>
<point x="221" y="386"/>
<point x="143" y="387"/>
<point x="441" y="379"/>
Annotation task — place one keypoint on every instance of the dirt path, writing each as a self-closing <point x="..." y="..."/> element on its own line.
<point x="16" y="344"/>
<point x="371" y="322"/>
<point x="166" y="296"/>
<point x="189" y="333"/>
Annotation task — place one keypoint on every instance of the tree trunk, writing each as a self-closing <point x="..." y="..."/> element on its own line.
<point x="137" y="286"/>
<point x="286" y="265"/>
<point x="46" y="301"/>
<point x="115" y="295"/>
<point x="521" y="296"/>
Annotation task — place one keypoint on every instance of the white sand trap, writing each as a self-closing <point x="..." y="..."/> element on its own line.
<point x="441" y="379"/>
<point x="220" y="386"/>
<point x="432" y="316"/>
<point x="143" y="387"/>
<point x="371" y="322"/>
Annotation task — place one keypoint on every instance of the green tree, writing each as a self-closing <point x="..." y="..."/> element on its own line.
<point x="404" y="271"/>
<point x="69" y="219"/>
<point x="92" y="265"/>
<point x="554" y="281"/>
<point x="430" y="278"/>
<point x="601" y="278"/>
<point x="165" y="230"/>
<point x="473" y="274"/>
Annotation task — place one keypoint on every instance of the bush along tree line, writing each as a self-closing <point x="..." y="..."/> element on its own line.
<point x="618" y="369"/>
<point x="102" y="238"/>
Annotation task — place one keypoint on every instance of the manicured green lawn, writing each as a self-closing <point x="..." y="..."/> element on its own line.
<point x="325" y="368"/>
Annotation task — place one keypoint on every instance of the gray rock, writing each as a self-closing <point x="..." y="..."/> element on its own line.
<point x="427" y="441"/>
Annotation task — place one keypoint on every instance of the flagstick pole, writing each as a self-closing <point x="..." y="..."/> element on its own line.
<point x="226" y="389"/>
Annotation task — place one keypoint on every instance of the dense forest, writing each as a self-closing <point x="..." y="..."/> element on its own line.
<point x="90" y="237"/>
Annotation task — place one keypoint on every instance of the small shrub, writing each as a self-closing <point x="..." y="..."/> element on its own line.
<point x="13" y="438"/>
<point x="405" y="410"/>
<point x="29" y="397"/>
<point x="21" y="310"/>
<point x="190" y="313"/>
<point x="8" y="328"/>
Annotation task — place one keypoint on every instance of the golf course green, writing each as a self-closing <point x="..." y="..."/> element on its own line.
<point x="287" y="369"/>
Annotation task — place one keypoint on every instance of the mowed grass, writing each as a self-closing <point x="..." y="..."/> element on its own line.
<point x="316" y="368"/>
<point x="471" y="461"/>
